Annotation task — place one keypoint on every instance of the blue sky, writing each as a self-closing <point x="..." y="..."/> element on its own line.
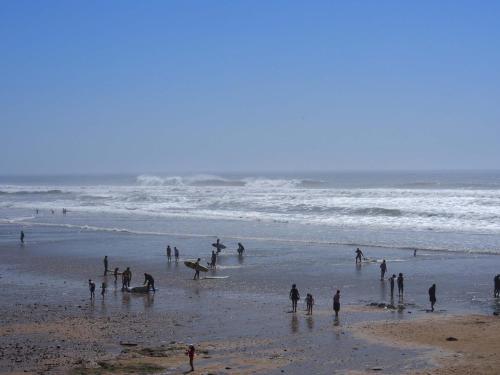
<point x="192" y="86"/>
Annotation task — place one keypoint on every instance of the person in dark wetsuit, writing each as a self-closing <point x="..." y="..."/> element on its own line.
<point x="336" y="303"/>
<point x="294" y="296"/>
<point x="103" y="289"/>
<point x="241" y="249"/>
<point x="169" y="253"/>
<point x="309" y="303"/>
<point x="22" y="237"/>
<point x="391" y="279"/>
<point x="359" y="255"/>
<point x="197" y="271"/>
<point x="105" y="265"/>
<point x="115" y="274"/>
<point x="383" y="270"/>
<point x="148" y="279"/>
<point x="496" y="292"/>
<point x="432" y="296"/>
<point x="400" y="285"/>
<point x="176" y="253"/>
<point x="213" y="260"/>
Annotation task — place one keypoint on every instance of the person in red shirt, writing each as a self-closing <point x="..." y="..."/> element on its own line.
<point x="190" y="352"/>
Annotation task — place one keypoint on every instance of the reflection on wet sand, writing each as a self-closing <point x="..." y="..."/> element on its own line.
<point x="294" y="324"/>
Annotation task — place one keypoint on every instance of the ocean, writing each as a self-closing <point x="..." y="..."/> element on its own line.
<point x="440" y="211"/>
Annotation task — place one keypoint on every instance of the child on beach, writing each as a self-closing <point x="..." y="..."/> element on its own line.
<point x="310" y="303"/>
<point x="103" y="289"/>
<point x="92" y="289"/>
<point x="190" y="352"/>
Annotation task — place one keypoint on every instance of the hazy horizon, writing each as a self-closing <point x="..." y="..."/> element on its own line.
<point x="238" y="87"/>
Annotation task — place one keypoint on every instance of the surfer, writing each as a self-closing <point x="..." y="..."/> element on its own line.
<point x="92" y="289"/>
<point x="391" y="279"/>
<point x="359" y="255"/>
<point x="400" y="285"/>
<point x="432" y="296"/>
<point x="115" y="274"/>
<point x="176" y="253"/>
<point x="22" y="237"/>
<point x="190" y="353"/>
<point x="497" y="286"/>
<point x="197" y="271"/>
<point x="218" y="245"/>
<point x="126" y="278"/>
<point x="336" y="304"/>
<point x="241" y="249"/>
<point x="103" y="289"/>
<point x="309" y="303"/>
<point x="383" y="270"/>
<point x="105" y="265"/>
<point x="148" y="279"/>
<point x="169" y="253"/>
<point x="294" y="296"/>
<point x="213" y="260"/>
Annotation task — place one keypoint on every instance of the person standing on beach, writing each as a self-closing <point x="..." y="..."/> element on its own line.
<point x="190" y="353"/>
<point x="126" y="278"/>
<point x="400" y="285"/>
<point x="169" y="253"/>
<point x="391" y="279"/>
<point x="294" y="296"/>
<point x="103" y="289"/>
<point x="383" y="270"/>
<point x="22" y="237"/>
<point x="309" y="303"/>
<point x="432" y="296"/>
<point x="176" y="253"/>
<point x="241" y="249"/>
<point x="105" y="265"/>
<point x="359" y="255"/>
<point x="115" y="274"/>
<point x="213" y="260"/>
<point x="148" y="279"/>
<point x="197" y="270"/>
<point x="496" y="280"/>
<point x="92" y="289"/>
<point x="336" y="304"/>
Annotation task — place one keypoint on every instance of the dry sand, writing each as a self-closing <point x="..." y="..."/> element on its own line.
<point x="476" y="349"/>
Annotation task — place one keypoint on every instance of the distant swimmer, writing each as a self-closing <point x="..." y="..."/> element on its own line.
<point x="415" y="252"/>
<point x="176" y="253"/>
<point x="64" y="211"/>
<point x="336" y="304"/>
<point x="213" y="260"/>
<point x="294" y="296"/>
<point x="149" y="282"/>
<point x="52" y="212"/>
<point x="36" y="211"/>
<point x="92" y="289"/>
<point x="309" y="303"/>
<point x="359" y="255"/>
<point x="197" y="270"/>
<point x="497" y="286"/>
<point x="391" y="279"/>
<point x="169" y="253"/>
<point x="22" y="237"/>
<point x="383" y="270"/>
<point x="241" y="249"/>
<point x="105" y="265"/>
<point x="432" y="296"/>
<point x="400" y="285"/>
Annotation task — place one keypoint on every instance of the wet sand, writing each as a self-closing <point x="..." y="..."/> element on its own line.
<point x="241" y="324"/>
<point x="456" y="344"/>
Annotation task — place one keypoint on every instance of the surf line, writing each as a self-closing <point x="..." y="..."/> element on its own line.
<point x="244" y="238"/>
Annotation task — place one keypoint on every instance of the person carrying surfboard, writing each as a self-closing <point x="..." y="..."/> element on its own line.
<point x="219" y="246"/>
<point x="359" y="255"/>
<point x="197" y="270"/>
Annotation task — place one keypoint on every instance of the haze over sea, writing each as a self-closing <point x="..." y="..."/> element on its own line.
<point x="453" y="211"/>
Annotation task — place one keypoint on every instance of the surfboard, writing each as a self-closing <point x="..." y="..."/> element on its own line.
<point x="195" y="266"/>
<point x="219" y="247"/>
<point x="140" y="289"/>
<point x="215" y="277"/>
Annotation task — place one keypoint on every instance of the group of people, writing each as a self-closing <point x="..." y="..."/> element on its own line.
<point x="295" y="297"/>
<point x="169" y="254"/>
